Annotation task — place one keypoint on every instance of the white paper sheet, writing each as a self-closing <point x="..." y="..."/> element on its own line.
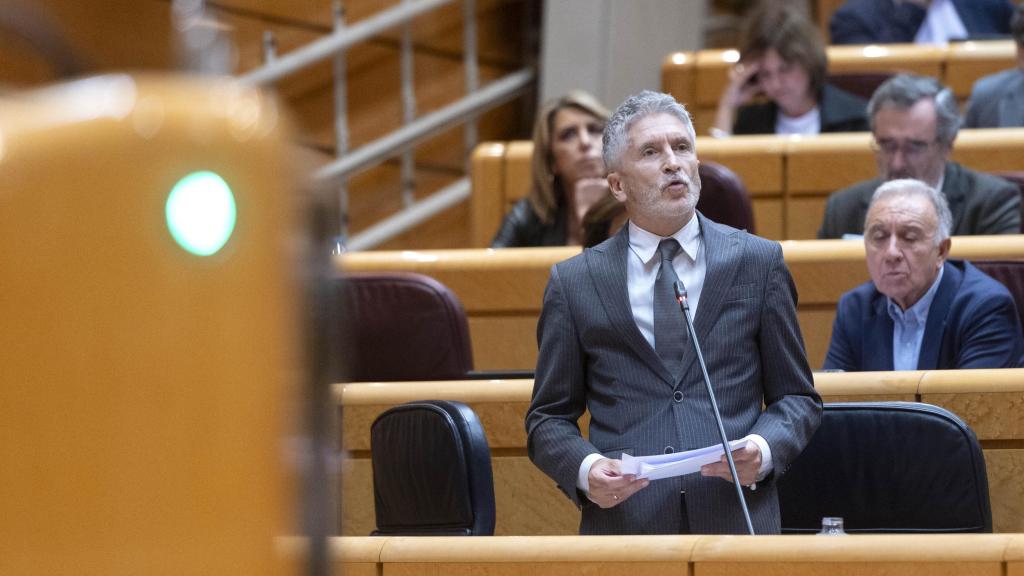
<point x="676" y="464"/>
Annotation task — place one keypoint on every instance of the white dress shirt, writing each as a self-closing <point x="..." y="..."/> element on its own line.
<point x="807" y="123"/>
<point x="642" y="266"/>
<point x="941" y="24"/>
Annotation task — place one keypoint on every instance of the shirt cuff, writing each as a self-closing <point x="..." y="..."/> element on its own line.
<point x="766" y="455"/>
<point x="583" y="477"/>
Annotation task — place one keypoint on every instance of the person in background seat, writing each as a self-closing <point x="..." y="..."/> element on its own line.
<point x="997" y="100"/>
<point x="783" y="59"/>
<point x="568" y="175"/>
<point x="915" y="120"/>
<point x="921" y="311"/>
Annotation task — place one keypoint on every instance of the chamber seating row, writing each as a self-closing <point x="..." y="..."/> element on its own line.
<point x="910" y="555"/>
<point x="698" y="78"/>
<point x="502" y="290"/>
<point x="789" y="178"/>
<point x="528" y="503"/>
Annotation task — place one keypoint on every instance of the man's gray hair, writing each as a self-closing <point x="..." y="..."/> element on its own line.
<point x="911" y="187"/>
<point x="634" y="108"/>
<point x="904" y="90"/>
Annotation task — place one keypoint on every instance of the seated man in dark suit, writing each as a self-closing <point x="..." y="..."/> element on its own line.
<point x="921" y="311"/>
<point x="920" y="21"/>
<point x="914" y="121"/>
<point x="997" y="100"/>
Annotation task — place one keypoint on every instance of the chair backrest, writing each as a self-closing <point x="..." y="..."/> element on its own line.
<point x="861" y="84"/>
<point x="888" y="467"/>
<point x="724" y="198"/>
<point x="403" y="326"/>
<point x="1009" y="273"/>
<point x="431" y="471"/>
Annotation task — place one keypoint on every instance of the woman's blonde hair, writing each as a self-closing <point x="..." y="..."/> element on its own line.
<point x="545" y="190"/>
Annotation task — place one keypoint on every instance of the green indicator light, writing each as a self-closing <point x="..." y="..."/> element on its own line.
<point x="201" y="213"/>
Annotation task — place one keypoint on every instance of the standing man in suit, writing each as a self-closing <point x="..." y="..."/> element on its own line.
<point x="997" y="100"/>
<point x="921" y="311"/>
<point x="914" y="121"/>
<point x="612" y="341"/>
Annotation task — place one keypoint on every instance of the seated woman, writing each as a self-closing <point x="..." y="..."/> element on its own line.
<point x="568" y="175"/>
<point x="782" y="58"/>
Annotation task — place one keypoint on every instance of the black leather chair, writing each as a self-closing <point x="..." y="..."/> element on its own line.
<point x="861" y="84"/>
<point x="403" y="326"/>
<point x="724" y="198"/>
<point x="431" y="471"/>
<point x="898" y="467"/>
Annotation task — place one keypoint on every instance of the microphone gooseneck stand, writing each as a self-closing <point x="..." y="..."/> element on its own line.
<point x="684" y="306"/>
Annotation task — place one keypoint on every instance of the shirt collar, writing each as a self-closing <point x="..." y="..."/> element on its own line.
<point x="919" y="311"/>
<point x="645" y="244"/>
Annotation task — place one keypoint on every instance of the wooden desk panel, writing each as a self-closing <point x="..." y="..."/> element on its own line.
<point x="502" y="290"/>
<point x="528" y="502"/>
<point x="853" y="555"/>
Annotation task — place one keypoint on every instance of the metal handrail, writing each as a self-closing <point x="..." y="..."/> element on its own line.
<point x="406" y="137"/>
<point x="403" y="140"/>
<point x="338" y="41"/>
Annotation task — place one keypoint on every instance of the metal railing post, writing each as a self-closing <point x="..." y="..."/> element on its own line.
<point x="470" y="62"/>
<point x="341" y="134"/>
<point x="408" y="175"/>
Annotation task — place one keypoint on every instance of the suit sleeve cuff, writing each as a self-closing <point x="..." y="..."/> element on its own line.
<point x="583" y="477"/>
<point x="766" y="455"/>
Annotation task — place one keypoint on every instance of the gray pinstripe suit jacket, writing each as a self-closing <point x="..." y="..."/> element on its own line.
<point x="593" y="357"/>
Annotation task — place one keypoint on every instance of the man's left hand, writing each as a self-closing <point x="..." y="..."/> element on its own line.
<point x="747" y="460"/>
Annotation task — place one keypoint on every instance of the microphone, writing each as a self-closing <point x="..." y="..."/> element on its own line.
<point x="684" y="306"/>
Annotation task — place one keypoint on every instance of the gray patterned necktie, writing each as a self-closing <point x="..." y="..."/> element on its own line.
<point x="669" y="326"/>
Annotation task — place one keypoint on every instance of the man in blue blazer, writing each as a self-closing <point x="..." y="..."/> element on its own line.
<point x="900" y="21"/>
<point x="921" y="311"/>
<point x="612" y="341"/>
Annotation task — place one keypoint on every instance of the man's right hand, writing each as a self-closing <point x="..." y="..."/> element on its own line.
<point x="609" y="487"/>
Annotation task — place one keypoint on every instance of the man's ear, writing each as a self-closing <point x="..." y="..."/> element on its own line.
<point x="944" y="250"/>
<point x="615" y="184"/>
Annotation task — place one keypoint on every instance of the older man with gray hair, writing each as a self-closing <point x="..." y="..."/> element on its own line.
<point x="914" y="121"/>
<point x="612" y="342"/>
<point x="921" y="310"/>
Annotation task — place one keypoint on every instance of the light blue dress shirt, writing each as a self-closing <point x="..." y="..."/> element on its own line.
<point x="908" y="328"/>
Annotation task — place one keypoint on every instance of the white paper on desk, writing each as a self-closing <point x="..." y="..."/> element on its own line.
<point x="677" y="464"/>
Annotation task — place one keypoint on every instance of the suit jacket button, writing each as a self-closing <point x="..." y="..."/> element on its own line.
<point x="669" y="449"/>
<point x="677" y="396"/>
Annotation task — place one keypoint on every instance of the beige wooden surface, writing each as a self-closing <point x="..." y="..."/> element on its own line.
<point x="502" y="290"/>
<point x="789" y="178"/>
<point x="874" y="555"/>
<point x="528" y="503"/>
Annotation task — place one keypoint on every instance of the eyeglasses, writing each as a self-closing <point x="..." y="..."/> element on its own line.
<point x="910" y="148"/>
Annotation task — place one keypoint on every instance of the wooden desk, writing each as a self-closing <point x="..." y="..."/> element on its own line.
<point x="502" y="290"/>
<point x="990" y="401"/>
<point x="789" y="177"/>
<point x="854" y="555"/>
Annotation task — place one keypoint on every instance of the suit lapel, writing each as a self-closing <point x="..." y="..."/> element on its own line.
<point x="935" y="325"/>
<point x="877" y="336"/>
<point x="607" y="265"/>
<point x="722" y="260"/>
